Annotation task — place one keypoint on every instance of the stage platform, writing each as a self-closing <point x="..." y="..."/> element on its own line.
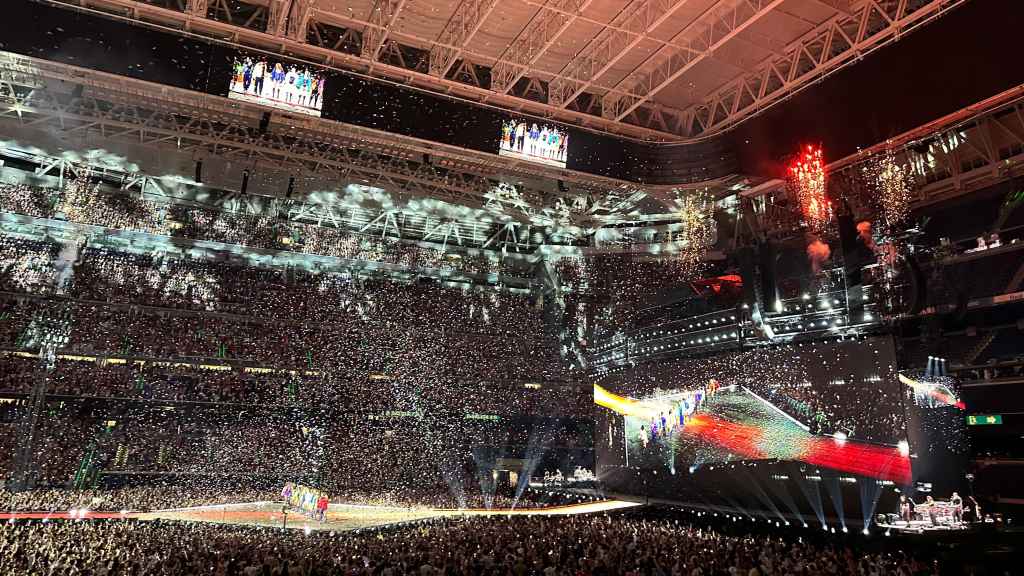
<point x="340" y="517"/>
<point x="925" y="526"/>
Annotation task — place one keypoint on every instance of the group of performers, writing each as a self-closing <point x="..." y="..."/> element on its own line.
<point x="676" y="413"/>
<point x="310" y="501"/>
<point x="286" y="84"/>
<point x="952" y="512"/>
<point x="532" y="140"/>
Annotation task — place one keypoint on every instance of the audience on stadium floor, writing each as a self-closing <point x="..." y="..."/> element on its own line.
<point x="548" y="546"/>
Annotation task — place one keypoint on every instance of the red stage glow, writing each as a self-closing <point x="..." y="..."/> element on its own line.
<point x="752" y="442"/>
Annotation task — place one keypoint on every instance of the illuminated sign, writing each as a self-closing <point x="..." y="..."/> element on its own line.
<point x="984" y="419"/>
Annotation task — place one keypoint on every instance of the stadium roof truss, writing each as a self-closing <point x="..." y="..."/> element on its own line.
<point x="460" y="198"/>
<point x="39" y="94"/>
<point x="960" y="153"/>
<point x="957" y="154"/>
<point x="655" y="70"/>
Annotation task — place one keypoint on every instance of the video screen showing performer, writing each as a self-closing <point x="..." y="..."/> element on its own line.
<point x="534" y="141"/>
<point x="834" y="406"/>
<point x="278" y="84"/>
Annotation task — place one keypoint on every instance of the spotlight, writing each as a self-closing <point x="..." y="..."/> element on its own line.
<point x="840" y="437"/>
<point x="845" y="530"/>
<point x="865" y="532"/>
<point x="904" y="447"/>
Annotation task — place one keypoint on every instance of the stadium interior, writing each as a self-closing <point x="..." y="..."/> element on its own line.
<point x="552" y="287"/>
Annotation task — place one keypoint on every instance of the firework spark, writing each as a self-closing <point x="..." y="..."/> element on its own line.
<point x="696" y="232"/>
<point x="891" y="184"/>
<point x="807" y="183"/>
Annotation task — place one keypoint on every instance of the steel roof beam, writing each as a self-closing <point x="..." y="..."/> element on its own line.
<point x="117" y="107"/>
<point x="382" y="18"/>
<point x="839" y="40"/>
<point x="463" y="25"/>
<point x="196" y="8"/>
<point x="176" y="21"/>
<point x="540" y="33"/>
<point x="710" y="31"/>
<point x="608" y="47"/>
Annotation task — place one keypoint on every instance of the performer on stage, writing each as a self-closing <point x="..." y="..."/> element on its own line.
<point x="929" y="504"/>
<point x="906" y="508"/>
<point x="321" y="507"/>
<point x="958" y="508"/>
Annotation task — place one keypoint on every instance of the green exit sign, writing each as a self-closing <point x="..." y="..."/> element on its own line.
<point x="984" y="419"/>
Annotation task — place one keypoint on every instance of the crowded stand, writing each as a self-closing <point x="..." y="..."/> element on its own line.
<point x="171" y="496"/>
<point x="26" y="200"/>
<point x="26" y="265"/>
<point x="128" y="498"/>
<point x="150" y="327"/>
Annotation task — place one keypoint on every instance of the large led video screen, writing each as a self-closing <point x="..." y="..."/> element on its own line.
<point x="534" y="141"/>
<point x="278" y="84"/>
<point x="835" y="406"/>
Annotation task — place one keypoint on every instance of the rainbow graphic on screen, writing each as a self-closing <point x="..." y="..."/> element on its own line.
<point x="719" y="423"/>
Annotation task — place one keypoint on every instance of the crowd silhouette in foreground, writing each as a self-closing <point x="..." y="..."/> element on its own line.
<point x="516" y="546"/>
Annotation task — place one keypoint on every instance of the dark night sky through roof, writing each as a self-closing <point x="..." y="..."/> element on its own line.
<point x="960" y="59"/>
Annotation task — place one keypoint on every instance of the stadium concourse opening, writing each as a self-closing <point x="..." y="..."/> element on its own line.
<point x="447" y="287"/>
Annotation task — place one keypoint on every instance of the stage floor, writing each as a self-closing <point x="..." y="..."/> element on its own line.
<point x="922" y="526"/>
<point x="342" y="517"/>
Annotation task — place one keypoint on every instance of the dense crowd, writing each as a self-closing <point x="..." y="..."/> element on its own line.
<point x="623" y="298"/>
<point x="295" y="320"/>
<point x="26" y="200"/>
<point x="584" y="546"/>
<point x="164" y="496"/>
<point x="27" y="265"/>
<point x="82" y="443"/>
<point x="230" y="374"/>
<point x="423" y="374"/>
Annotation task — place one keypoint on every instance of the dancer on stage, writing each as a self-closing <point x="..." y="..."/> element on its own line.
<point x="929" y="504"/>
<point x="906" y="508"/>
<point x="958" y="508"/>
<point x="321" y="507"/>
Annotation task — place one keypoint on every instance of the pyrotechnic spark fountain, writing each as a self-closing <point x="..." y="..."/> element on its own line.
<point x="891" y="184"/>
<point x="696" y="233"/>
<point x="807" y="184"/>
